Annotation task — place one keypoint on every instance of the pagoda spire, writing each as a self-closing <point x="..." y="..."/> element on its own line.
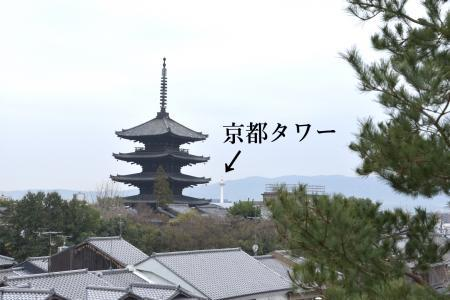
<point x="163" y="90"/>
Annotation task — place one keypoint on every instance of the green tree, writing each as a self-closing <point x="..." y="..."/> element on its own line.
<point x="38" y="212"/>
<point x="411" y="149"/>
<point x="161" y="190"/>
<point x="354" y="249"/>
<point x="246" y="209"/>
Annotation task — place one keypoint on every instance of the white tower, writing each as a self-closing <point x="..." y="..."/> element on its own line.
<point x="222" y="184"/>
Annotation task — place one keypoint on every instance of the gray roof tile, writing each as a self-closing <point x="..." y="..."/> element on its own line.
<point x="6" y="260"/>
<point x="275" y="265"/>
<point x="119" y="249"/>
<point x="40" y="262"/>
<point x="69" y="284"/>
<point x="7" y="293"/>
<point x="19" y="271"/>
<point x="104" y="293"/>
<point x="145" y="291"/>
<point x="120" y="277"/>
<point x="223" y="273"/>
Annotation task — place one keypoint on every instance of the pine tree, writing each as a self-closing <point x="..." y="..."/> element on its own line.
<point x="411" y="149"/>
<point x="161" y="190"/>
<point x="353" y="250"/>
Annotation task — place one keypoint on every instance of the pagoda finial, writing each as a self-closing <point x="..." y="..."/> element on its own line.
<point x="163" y="95"/>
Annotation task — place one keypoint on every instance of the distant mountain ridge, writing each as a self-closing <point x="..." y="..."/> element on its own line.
<point x="253" y="187"/>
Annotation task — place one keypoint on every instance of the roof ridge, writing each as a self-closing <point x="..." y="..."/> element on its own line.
<point x="273" y="271"/>
<point x="11" y="269"/>
<point x="101" y="287"/>
<point x="154" y="285"/>
<point x="156" y="254"/>
<point x="115" y="237"/>
<point x="124" y="270"/>
<point x="36" y="257"/>
<point x="7" y="257"/>
<point x="17" y="289"/>
<point x="49" y="274"/>
<point x="199" y="132"/>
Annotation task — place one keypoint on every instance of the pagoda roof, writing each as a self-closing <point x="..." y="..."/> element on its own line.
<point x="138" y="155"/>
<point x="151" y="176"/>
<point x="176" y="199"/>
<point x="161" y="125"/>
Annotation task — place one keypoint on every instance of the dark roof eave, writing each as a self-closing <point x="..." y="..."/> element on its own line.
<point x="139" y="156"/>
<point x="139" y="138"/>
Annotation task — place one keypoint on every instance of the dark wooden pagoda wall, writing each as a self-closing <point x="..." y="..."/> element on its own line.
<point x="82" y="257"/>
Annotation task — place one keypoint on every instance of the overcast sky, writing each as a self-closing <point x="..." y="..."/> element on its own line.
<point x="74" y="72"/>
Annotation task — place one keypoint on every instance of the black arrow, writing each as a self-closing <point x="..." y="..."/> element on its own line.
<point x="228" y="167"/>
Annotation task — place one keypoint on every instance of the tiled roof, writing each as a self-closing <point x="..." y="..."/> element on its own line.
<point x="120" y="277"/>
<point x="7" y="293"/>
<point x="119" y="249"/>
<point x="104" y="293"/>
<point x="154" y="291"/>
<point x="275" y="265"/>
<point x="223" y="273"/>
<point x="145" y="291"/>
<point x="13" y="272"/>
<point x="40" y="262"/>
<point x="161" y="126"/>
<point x="6" y="260"/>
<point x="69" y="284"/>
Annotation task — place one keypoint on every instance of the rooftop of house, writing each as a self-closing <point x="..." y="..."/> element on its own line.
<point x="275" y="264"/>
<point x="6" y="260"/>
<point x="18" y="271"/>
<point x="69" y="284"/>
<point x="120" y="277"/>
<point x="7" y="293"/>
<point x="37" y="264"/>
<point x="222" y="273"/>
<point x="143" y="291"/>
<point x="118" y="249"/>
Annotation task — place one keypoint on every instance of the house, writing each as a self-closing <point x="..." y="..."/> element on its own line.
<point x="216" y="274"/>
<point x="97" y="253"/>
<point x="89" y="285"/>
<point x="35" y="265"/>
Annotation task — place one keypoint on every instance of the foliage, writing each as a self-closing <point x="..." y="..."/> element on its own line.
<point x="39" y="212"/>
<point x="246" y="209"/>
<point x="162" y="191"/>
<point x="146" y="229"/>
<point x="352" y="247"/>
<point x="144" y="236"/>
<point x="410" y="150"/>
<point x="191" y="231"/>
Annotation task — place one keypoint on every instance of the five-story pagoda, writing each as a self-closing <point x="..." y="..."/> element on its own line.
<point x="162" y="138"/>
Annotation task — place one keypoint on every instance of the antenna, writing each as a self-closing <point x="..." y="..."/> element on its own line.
<point x="51" y="243"/>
